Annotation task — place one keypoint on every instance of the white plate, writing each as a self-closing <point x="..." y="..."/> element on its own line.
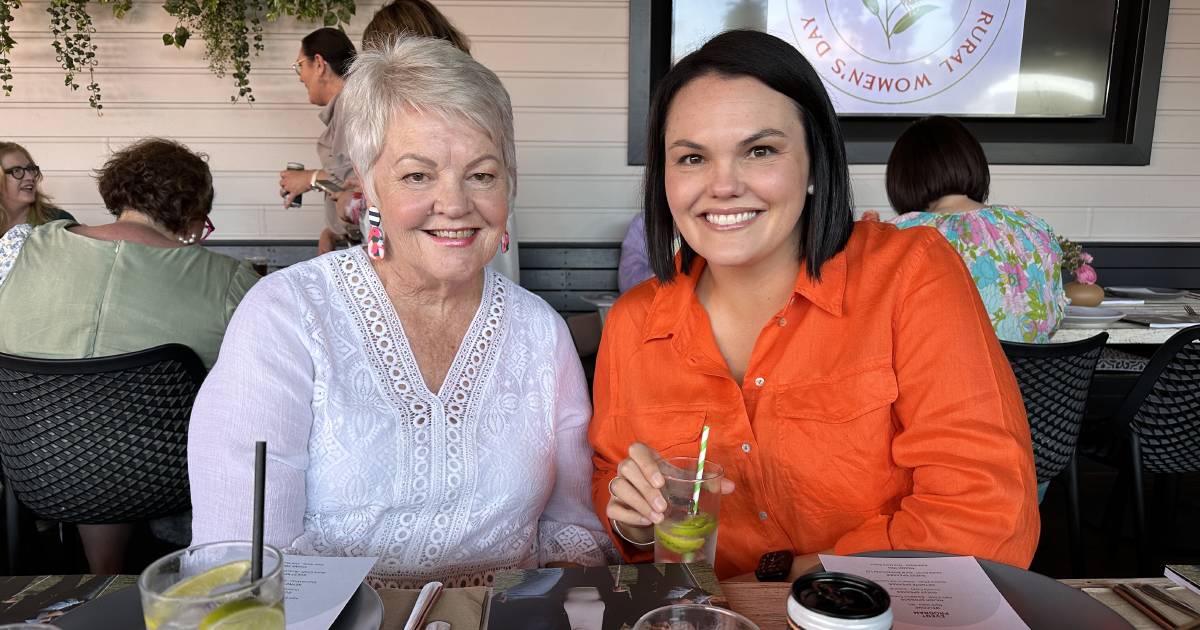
<point x="1148" y="293"/>
<point x="1091" y="317"/>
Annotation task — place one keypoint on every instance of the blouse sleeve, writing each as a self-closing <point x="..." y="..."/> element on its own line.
<point x="964" y="433"/>
<point x="569" y="530"/>
<point x="634" y="267"/>
<point x="10" y="247"/>
<point x="260" y="388"/>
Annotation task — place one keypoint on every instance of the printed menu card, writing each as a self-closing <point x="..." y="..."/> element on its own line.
<point x="941" y="592"/>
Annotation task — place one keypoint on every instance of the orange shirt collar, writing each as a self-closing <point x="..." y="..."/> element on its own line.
<point x="671" y="300"/>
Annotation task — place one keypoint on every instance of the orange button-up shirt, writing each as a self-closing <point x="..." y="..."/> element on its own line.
<point x="877" y="411"/>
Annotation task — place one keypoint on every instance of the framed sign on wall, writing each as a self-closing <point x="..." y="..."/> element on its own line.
<point x="1045" y="82"/>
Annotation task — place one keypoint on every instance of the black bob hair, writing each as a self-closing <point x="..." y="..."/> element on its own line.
<point x="827" y="220"/>
<point x="935" y="157"/>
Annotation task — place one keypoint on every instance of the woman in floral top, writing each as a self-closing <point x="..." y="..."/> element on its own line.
<point x="937" y="175"/>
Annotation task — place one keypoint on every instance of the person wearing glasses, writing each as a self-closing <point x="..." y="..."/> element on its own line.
<point x="324" y="59"/>
<point x="21" y="200"/>
<point x="82" y="291"/>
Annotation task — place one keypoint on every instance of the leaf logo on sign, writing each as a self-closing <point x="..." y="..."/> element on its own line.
<point x="911" y="11"/>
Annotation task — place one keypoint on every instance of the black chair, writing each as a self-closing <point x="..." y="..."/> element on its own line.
<point x="1162" y="418"/>
<point x="1054" y="379"/>
<point x="95" y="441"/>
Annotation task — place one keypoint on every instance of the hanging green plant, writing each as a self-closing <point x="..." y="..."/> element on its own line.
<point x="6" y="42"/>
<point x="72" y="29"/>
<point x="231" y="29"/>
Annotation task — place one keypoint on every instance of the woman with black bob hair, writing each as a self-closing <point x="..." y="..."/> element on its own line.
<point x="855" y="394"/>
<point x="826" y="220"/>
<point x="937" y="176"/>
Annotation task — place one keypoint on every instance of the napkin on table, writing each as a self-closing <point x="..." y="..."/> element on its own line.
<point x="462" y="608"/>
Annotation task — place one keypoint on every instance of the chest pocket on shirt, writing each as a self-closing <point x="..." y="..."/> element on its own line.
<point x="840" y="398"/>
<point x="672" y="433"/>
<point x="839" y="431"/>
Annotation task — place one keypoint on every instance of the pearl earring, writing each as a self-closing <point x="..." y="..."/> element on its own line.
<point x="810" y="189"/>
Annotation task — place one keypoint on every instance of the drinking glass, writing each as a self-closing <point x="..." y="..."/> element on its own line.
<point x="210" y="585"/>
<point x="693" y="617"/>
<point x="688" y="531"/>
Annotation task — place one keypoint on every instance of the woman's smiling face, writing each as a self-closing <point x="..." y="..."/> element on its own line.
<point x="443" y="193"/>
<point x="737" y="170"/>
<point x="17" y="195"/>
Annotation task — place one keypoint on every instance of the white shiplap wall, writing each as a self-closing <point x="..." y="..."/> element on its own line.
<point x="565" y="63"/>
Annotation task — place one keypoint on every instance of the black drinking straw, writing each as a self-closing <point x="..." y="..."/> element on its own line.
<point x="260" y="479"/>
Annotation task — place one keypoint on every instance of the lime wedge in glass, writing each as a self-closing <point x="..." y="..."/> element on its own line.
<point x="205" y="583"/>
<point x="246" y="614"/>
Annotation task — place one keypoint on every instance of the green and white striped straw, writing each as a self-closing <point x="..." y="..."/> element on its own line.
<point x="699" y="471"/>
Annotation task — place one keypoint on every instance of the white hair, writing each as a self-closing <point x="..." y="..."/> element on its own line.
<point x="427" y="75"/>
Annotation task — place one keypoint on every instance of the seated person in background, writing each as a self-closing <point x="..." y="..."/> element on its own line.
<point x="417" y="406"/>
<point x="21" y="199"/>
<point x="635" y="263"/>
<point x="78" y="291"/>
<point x="857" y="397"/>
<point x="937" y="175"/>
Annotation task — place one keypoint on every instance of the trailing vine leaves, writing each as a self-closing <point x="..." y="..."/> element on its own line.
<point x="232" y="30"/>
<point x="74" y="49"/>
<point x="6" y="43"/>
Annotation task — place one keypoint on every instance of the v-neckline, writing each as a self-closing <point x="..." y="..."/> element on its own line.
<point x="399" y="336"/>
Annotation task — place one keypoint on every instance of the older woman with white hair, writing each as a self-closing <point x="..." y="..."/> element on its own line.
<point x="416" y="405"/>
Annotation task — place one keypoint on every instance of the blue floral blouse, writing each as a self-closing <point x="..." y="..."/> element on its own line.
<point x="1014" y="258"/>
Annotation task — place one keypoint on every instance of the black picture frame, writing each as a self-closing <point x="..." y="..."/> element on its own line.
<point x="1124" y="136"/>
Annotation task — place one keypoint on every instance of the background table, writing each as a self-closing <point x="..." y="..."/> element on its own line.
<point x="1123" y="332"/>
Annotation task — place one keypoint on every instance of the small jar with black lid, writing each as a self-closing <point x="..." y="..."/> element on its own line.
<point x="838" y="601"/>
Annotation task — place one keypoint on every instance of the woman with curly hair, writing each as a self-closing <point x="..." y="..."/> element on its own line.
<point x="84" y="291"/>
<point x="132" y="284"/>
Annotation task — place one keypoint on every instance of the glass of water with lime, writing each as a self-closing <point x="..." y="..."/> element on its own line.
<point x="208" y="586"/>
<point x="688" y="531"/>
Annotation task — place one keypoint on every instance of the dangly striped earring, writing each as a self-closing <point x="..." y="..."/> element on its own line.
<point x="375" y="249"/>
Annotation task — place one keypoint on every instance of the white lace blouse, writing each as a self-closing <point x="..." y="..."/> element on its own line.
<point x="491" y="472"/>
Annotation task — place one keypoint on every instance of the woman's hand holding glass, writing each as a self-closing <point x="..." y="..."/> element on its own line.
<point x="635" y="501"/>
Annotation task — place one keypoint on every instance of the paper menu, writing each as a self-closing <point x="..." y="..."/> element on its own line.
<point x="317" y="588"/>
<point x="939" y="592"/>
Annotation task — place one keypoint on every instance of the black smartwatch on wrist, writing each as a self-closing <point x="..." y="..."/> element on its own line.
<point x="774" y="566"/>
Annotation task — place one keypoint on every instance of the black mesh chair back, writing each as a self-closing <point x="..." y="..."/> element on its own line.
<point x="99" y="440"/>
<point x="1163" y="409"/>
<point x="1054" y="379"/>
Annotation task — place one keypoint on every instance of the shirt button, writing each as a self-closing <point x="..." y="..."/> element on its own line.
<point x="760" y="381"/>
<point x="762" y="516"/>
<point x="745" y="447"/>
<point x="782" y="322"/>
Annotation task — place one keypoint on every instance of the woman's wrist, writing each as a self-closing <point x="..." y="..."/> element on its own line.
<point x="616" y="527"/>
